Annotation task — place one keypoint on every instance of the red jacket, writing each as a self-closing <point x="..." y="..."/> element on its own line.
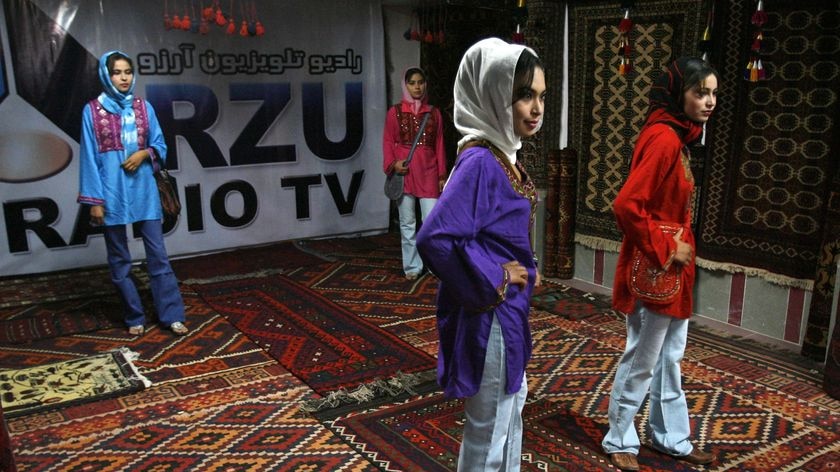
<point x="658" y="189"/>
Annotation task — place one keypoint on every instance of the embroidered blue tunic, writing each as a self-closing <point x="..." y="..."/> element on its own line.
<point x="127" y="197"/>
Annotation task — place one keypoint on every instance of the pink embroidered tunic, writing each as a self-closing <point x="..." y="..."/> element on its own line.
<point x="428" y="165"/>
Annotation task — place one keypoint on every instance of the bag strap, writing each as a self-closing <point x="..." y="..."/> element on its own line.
<point x="417" y="138"/>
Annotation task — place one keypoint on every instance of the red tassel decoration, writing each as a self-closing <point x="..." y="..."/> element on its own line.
<point x="626" y="23"/>
<point x="756" y="45"/>
<point x="755" y="69"/>
<point x="167" y="22"/>
<point x="759" y="17"/>
<point x="260" y="28"/>
<point x="518" y="36"/>
<point x="243" y="28"/>
<point x="624" y="50"/>
<point x="176" y="22"/>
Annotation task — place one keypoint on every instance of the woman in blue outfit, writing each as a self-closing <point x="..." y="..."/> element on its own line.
<point x="121" y="144"/>
<point x="477" y="241"/>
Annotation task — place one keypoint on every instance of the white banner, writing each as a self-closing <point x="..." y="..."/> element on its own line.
<point x="272" y="114"/>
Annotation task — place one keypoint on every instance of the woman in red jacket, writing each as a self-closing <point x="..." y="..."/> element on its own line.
<point x="657" y="196"/>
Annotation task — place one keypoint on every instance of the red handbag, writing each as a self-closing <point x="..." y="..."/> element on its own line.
<point x="651" y="283"/>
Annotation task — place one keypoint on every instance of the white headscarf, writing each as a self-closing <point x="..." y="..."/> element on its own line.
<point x="484" y="94"/>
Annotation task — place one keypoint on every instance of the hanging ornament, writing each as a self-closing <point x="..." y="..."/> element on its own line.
<point x="259" y="29"/>
<point x="705" y="44"/>
<point x="520" y="17"/>
<point x="518" y="36"/>
<point x="415" y="32"/>
<point x="755" y="68"/>
<point x="207" y="14"/>
<point x="243" y="28"/>
<point x="167" y="22"/>
<point x="231" y="23"/>
<point x="194" y="25"/>
<point x="220" y="17"/>
<point x="760" y="16"/>
<point x="176" y="22"/>
<point x="186" y="24"/>
<point x="626" y="23"/>
<point x="625" y="27"/>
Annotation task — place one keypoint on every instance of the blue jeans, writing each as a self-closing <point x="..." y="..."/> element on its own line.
<point x="651" y="360"/>
<point x="412" y="264"/>
<point x="164" y="285"/>
<point x="493" y="428"/>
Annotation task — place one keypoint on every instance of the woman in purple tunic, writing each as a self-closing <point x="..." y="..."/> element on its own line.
<point x="477" y="242"/>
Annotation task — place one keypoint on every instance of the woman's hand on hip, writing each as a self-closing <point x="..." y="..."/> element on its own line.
<point x="517" y="273"/>
<point x="685" y="253"/>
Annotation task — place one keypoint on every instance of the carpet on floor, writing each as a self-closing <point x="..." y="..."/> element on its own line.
<point x="27" y="323"/>
<point x="322" y="343"/>
<point x="212" y="345"/>
<point x="424" y="434"/>
<point x="58" y="385"/>
<point x="242" y="420"/>
<point x="272" y="258"/>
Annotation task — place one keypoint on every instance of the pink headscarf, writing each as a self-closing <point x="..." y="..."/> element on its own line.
<point x="414" y="103"/>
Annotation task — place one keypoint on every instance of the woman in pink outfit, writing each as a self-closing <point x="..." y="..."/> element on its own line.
<point x="426" y="173"/>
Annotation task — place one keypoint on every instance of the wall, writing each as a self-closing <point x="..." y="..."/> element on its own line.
<point x="400" y="54"/>
<point x="746" y="306"/>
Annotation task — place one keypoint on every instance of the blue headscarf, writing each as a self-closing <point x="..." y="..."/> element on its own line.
<point x="119" y="103"/>
<point x="112" y="99"/>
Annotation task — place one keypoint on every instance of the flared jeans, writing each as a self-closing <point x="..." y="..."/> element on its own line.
<point x="165" y="292"/>
<point x="412" y="264"/>
<point x="651" y="361"/>
<point x="493" y="429"/>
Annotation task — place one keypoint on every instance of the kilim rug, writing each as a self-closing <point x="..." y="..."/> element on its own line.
<point x="31" y="322"/>
<point x="58" y="385"/>
<point x="244" y="420"/>
<point x="380" y="295"/>
<point x="212" y="345"/>
<point x="322" y="343"/>
<point x="424" y="434"/>
<point x="276" y="258"/>
<point x="65" y="285"/>
<point x="606" y="115"/>
<point x="774" y="142"/>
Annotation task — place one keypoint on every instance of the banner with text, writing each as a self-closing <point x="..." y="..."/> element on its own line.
<point x="272" y="113"/>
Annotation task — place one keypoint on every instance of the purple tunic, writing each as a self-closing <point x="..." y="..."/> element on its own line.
<point x="481" y="221"/>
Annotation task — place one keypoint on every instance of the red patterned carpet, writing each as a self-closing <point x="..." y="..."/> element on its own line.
<point x="322" y="343"/>
<point x="228" y="396"/>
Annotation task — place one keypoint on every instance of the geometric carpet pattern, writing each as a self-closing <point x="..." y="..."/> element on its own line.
<point x="251" y="424"/>
<point x="322" y="343"/>
<point x="759" y="409"/>
<point x="222" y="401"/>
<point x="773" y="149"/>
<point x="608" y="112"/>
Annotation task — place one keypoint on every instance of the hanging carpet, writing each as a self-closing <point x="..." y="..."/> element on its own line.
<point x="773" y="143"/>
<point x="607" y="112"/>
